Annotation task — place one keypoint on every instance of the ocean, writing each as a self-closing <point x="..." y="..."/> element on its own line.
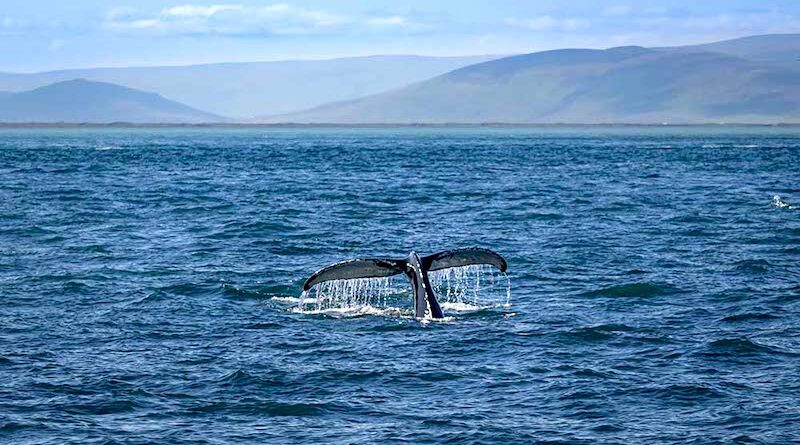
<point x="150" y="285"/>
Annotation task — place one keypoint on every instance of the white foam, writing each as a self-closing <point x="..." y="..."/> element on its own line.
<point x="460" y="307"/>
<point x="354" y="311"/>
<point x="779" y="203"/>
<point x="427" y="320"/>
<point x="287" y="299"/>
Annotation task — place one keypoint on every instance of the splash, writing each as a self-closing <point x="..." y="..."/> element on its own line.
<point x="779" y="203"/>
<point x="357" y="295"/>
<point x="461" y="289"/>
<point x="471" y="288"/>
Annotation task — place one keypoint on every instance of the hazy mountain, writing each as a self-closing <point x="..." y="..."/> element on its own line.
<point x="619" y="85"/>
<point x="95" y="102"/>
<point x="252" y="89"/>
<point x="775" y="49"/>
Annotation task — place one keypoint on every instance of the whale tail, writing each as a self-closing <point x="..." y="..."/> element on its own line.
<point x="464" y="257"/>
<point x="380" y="268"/>
<point x="354" y="269"/>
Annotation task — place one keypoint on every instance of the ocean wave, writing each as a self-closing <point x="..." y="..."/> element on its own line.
<point x="11" y="427"/>
<point x="588" y="334"/>
<point x="692" y="218"/>
<point x="152" y="297"/>
<point x="402" y="325"/>
<point x="540" y="216"/>
<point x="254" y="406"/>
<point x="749" y="316"/>
<point x="102" y="407"/>
<point x="347" y="375"/>
<point x="686" y="393"/>
<point x="278" y="293"/>
<point x="758" y="266"/>
<point x="239" y="377"/>
<point x="262" y="326"/>
<point x="729" y="145"/>
<point x="633" y="290"/>
<point x="588" y="373"/>
<point x="734" y="347"/>
<point x="27" y="231"/>
<point x="186" y="289"/>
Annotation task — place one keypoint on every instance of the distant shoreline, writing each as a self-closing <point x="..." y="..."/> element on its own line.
<point x="9" y="125"/>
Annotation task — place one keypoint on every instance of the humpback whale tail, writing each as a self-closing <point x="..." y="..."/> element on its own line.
<point x="416" y="268"/>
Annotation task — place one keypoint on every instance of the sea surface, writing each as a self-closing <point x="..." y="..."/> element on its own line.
<point x="149" y="285"/>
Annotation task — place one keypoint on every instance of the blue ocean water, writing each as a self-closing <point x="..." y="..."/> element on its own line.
<point x="147" y="279"/>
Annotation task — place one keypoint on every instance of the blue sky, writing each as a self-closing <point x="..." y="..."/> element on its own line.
<point x="42" y="35"/>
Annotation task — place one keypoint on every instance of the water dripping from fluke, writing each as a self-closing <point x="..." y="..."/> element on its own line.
<point x="461" y="280"/>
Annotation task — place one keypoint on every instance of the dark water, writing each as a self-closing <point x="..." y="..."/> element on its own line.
<point x="656" y="286"/>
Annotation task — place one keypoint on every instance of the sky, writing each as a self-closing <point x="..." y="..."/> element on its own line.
<point x="38" y="35"/>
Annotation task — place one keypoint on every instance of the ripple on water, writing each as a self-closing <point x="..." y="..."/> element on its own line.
<point x="101" y="407"/>
<point x="237" y="293"/>
<point x="633" y="290"/>
<point x="262" y="407"/>
<point x="749" y="316"/>
<point x="754" y="266"/>
<point x="734" y="348"/>
<point x="687" y="394"/>
<point x="594" y="333"/>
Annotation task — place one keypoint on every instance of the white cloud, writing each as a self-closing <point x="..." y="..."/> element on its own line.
<point x="226" y="19"/>
<point x="198" y="11"/>
<point x="548" y="23"/>
<point x="390" y="21"/>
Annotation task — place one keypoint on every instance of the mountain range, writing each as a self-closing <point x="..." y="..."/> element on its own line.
<point x="244" y="90"/>
<point x="748" y="80"/>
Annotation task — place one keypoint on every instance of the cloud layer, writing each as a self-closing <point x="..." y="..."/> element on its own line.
<point x="615" y="21"/>
<point x="243" y="20"/>
<point x="44" y="34"/>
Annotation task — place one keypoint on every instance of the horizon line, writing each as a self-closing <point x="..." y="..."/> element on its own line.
<point x="133" y="125"/>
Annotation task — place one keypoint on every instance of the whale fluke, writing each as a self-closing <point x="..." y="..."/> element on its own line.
<point x="464" y="257"/>
<point x="353" y="269"/>
<point x="415" y="268"/>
